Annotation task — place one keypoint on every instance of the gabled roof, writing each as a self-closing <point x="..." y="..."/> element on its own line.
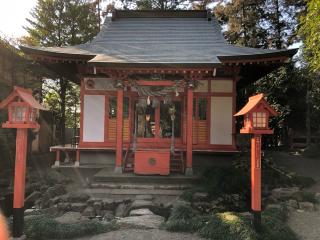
<point x="179" y="38"/>
<point x="25" y="95"/>
<point x="253" y="102"/>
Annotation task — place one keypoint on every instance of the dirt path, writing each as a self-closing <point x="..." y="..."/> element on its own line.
<point x="138" y="234"/>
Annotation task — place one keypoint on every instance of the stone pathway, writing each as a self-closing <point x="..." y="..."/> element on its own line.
<point x="139" y="234"/>
<point x="305" y="224"/>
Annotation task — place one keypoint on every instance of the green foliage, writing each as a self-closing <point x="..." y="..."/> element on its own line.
<point x="61" y="23"/>
<point x="225" y="180"/>
<point x="262" y="23"/>
<point x="311" y="34"/>
<point x="180" y="219"/>
<point x="44" y="227"/>
<point x="187" y="195"/>
<point x="274" y="226"/>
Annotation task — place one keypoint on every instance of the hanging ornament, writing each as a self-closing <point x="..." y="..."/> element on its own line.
<point x="148" y="101"/>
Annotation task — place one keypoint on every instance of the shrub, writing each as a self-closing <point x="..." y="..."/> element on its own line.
<point x="225" y="180"/>
<point x="180" y="219"/>
<point x="274" y="226"/>
<point x="187" y="195"/>
<point x="227" y="226"/>
<point x="45" y="227"/>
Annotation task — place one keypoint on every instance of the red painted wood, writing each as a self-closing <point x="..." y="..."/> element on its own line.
<point x="155" y="83"/>
<point x="78" y="155"/>
<point x="20" y="168"/>
<point x="119" y="140"/>
<point x="81" y="111"/>
<point x="256" y="172"/>
<point x="189" y="126"/>
<point x="58" y="156"/>
<point x="153" y="161"/>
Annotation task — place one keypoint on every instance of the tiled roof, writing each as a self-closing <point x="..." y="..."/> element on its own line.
<point x="159" y="37"/>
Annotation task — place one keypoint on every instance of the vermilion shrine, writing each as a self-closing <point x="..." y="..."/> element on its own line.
<point x="157" y="87"/>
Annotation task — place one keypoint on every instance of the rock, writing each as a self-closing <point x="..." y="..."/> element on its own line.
<point x="91" y="200"/>
<point x="107" y="215"/>
<point x="277" y="206"/>
<point x="33" y="197"/>
<point x="292" y="203"/>
<point x="78" y="197"/>
<point x="88" y="212"/>
<point x="78" y="207"/>
<point x="280" y="193"/>
<point x="144" y="197"/>
<point x="143" y="222"/>
<point x="140" y="212"/>
<point x="200" y="196"/>
<point x="97" y="206"/>
<point x="108" y="204"/>
<point x="317" y="197"/>
<point x="120" y="210"/>
<point x="306" y="206"/>
<point x="52" y="211"/>
<point x="56" y="199"/>
<point x="246" y="215"/>
<point x="64" y="198"/>
<point x="70" y="217"/>
<point x="64" y="206"/>
<point x="31" y="211"/>
<point x="136" y="204"/>
<point x="54" y="176"/>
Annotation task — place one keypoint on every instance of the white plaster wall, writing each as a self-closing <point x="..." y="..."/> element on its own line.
<point x="225" y="86"/>
<point x="221" y="120"/>
<point x="93" y="118"/>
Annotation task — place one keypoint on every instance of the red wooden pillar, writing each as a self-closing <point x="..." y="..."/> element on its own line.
<point x="19" y="181"/>
<point x="119" y="137"/>
<point x="77" y="162"/>
<point x="256" y="179"/>
<point x="189" y="170"/>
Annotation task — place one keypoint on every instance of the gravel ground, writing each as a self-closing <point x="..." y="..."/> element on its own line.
<point x="305" y="224"/>
<point x="139" y="234"/>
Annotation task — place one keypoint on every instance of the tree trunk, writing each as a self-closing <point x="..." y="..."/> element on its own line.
<point x="62" y="124"/>
<point x="308" y="120"/>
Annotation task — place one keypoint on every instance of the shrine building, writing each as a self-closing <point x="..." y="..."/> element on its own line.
<point x="157" y="87"/>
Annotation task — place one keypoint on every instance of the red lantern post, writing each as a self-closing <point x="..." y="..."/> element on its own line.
<point x="256" y="118"/>
<point x="22" y="114"/>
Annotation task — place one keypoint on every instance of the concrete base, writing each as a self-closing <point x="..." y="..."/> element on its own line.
<point x="56" y="164"/>
<point x="118" y="170"/>
<point x="189" y="172"/>
<point x="77" y="164"/>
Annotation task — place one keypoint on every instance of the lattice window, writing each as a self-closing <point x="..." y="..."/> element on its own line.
<point x="259" y="119"/>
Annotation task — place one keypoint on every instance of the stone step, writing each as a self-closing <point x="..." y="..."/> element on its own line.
<point x="102" y="192"/>
<point x="101" y="185"/>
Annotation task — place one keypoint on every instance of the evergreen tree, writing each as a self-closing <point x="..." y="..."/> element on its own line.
<point x="62" y="23"/>
<point x="243" y="21"/>
<point x="310" y="32"/>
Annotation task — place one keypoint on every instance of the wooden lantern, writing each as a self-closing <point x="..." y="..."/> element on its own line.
<point x="23" y="111"/>
<point x="256" y="118"/>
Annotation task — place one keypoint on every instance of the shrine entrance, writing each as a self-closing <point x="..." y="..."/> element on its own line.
<point x="158" y="120"/>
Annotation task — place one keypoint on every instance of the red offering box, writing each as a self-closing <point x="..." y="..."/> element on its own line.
<point x="149" y="162"/>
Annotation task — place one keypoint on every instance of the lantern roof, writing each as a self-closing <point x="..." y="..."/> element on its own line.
<point x="255" y="101"/>
<point x="25" y="95"/>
